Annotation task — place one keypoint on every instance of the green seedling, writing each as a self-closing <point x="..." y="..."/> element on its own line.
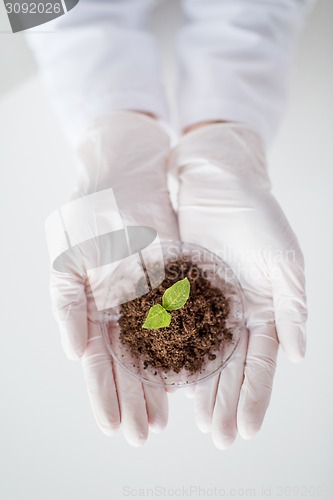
<point x="173" y="298"/>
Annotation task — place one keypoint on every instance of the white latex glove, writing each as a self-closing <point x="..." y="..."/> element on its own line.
<point x="126" y="152"/>
<point x="225" y="204"/>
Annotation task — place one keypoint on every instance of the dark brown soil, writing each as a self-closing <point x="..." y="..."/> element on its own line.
<point x="195" y="332"/>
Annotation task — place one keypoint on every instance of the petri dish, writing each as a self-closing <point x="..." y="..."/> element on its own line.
<point x="137" y="275"/>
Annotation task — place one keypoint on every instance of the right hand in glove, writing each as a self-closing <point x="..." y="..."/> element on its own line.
<point x="127" y="152"/>
<point x="225" y="204"/>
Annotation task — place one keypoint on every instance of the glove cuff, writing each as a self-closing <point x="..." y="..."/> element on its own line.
<point x="118" y="146"/>
<point x="126" y="121"/>
<point x="231" y="146"/>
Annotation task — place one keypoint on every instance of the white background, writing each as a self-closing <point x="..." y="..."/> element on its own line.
<point x="50" y="445"/>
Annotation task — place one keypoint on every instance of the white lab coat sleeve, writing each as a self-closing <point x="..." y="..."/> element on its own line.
<point x="98" y="58"/>
<point x="234" y="60"/>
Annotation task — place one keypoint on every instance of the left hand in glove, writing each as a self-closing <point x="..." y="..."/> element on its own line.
<point x="123" y="155"/>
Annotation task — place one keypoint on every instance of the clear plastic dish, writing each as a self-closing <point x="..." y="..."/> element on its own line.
<point x="134" y="276"/>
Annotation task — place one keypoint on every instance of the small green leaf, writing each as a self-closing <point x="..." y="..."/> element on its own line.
<point x="157" y="317"/>
<point x="176" y="296"/>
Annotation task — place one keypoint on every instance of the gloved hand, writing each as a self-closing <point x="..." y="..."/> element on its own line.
<point x="127" y="152"/>
<point x="225" y="204"/>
